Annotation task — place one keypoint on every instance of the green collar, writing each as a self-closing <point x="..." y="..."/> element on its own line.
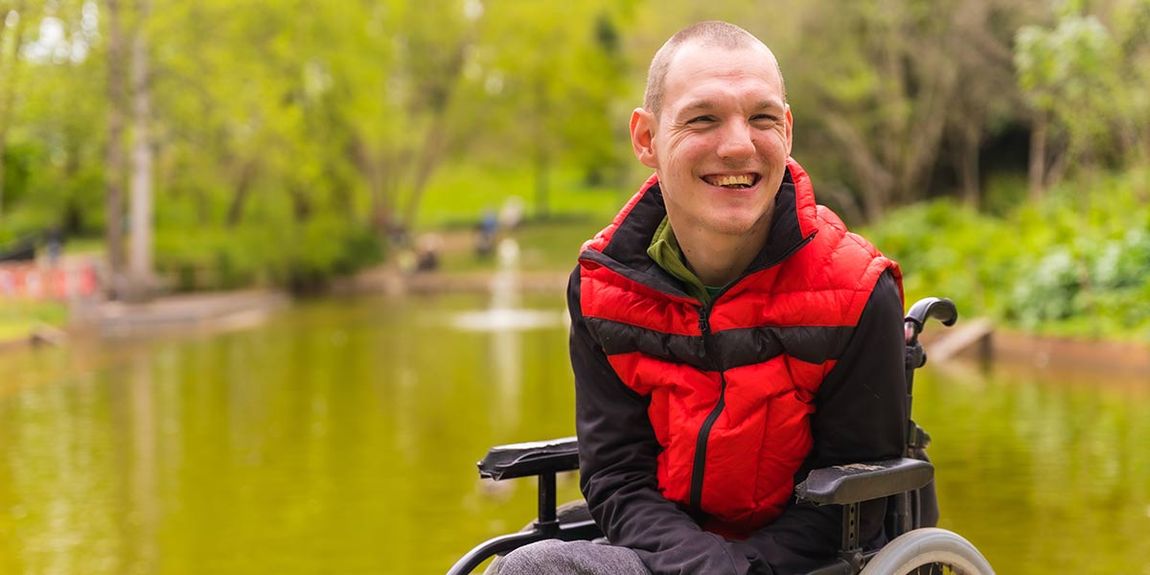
<point x="665" y="250"/>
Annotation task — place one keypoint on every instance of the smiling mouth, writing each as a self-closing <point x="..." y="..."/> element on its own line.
<point x="733" y="181"/>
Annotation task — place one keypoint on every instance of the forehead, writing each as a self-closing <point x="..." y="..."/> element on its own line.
<point x="704" y="72"/>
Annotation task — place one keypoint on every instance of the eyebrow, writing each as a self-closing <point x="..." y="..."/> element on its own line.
<point x="708" y="105"/>
<point x="698" y="105"/>
<point x="771" y="105"/>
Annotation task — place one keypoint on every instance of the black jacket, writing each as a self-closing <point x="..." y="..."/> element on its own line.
<point x="618" y="452"/>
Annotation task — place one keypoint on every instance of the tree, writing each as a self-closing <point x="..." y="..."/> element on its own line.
<point x="394" y="71"/>
<point x="889" y="91"/>
<point x="1068" y="76"/>
<point x="141" y="280"/>
<point x="50" y="141"/>
<point x="985" y="98"/>
<point x="115" y="87"/>
<point x="885" y="83"/>
<point x="552" y="79"/>
<point x="1133" y="33"/>
<point x="12" y="39"/>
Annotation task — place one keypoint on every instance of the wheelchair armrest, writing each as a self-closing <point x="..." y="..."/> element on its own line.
<point x="533" y="458"/>
<point x="857" y="482"/>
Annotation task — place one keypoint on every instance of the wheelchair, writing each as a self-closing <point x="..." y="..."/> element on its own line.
<point x="915" y="547"/>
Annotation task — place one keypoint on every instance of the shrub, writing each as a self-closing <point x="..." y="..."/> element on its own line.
<point x="1078" y="263"/>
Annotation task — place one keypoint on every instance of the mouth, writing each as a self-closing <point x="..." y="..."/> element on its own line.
<point x="733" y="181"/>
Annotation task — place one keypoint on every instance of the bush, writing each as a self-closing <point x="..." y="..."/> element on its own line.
<point x="1077" y="264"/>
<point x="301" y="257"/>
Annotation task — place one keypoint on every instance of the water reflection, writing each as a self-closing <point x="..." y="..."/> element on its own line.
<point x="505" y="314"/>
<point x="1044" y="473"/>
<point x="341" y="437"/>
<point x="506" y="320"/>
<point x="143" y="490"/>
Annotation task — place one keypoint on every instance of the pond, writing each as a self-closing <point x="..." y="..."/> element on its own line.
<point x="341" y="437"/>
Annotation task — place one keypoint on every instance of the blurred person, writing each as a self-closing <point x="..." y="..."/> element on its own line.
<point x="486" y="231"/>
<point x="54" y="243"/>
<point x="728" y="335"/>
<point x="427" y="254"/>
<point x="511" y="214"/>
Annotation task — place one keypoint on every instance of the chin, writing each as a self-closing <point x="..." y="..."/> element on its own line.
<point x="733" y="226"/>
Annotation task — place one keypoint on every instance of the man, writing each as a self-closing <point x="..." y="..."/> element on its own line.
<point x="728" y="335"/>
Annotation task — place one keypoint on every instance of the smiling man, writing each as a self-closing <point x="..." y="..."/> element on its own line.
<point x="728" y="335"/>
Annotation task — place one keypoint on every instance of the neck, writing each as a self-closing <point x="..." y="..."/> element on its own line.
<point x="719" y="259"/>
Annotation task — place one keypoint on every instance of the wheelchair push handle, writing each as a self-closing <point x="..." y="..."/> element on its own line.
<point x="924" y="309"/>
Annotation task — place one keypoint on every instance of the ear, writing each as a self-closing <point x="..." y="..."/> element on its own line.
<point x="790" y="129"/>
<point x="643" y="137"/>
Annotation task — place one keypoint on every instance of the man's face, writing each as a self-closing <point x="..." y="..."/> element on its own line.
<point x="721" y="141"/>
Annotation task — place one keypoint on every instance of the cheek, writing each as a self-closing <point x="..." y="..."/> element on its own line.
<point x="689" y="149"/>
<point x="774" y="143"/>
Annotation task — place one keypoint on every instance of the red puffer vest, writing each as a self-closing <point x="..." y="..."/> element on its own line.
<point x="732" y="384"/>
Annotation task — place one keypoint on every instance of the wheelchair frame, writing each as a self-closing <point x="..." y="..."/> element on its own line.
<point x="902" y="479"/>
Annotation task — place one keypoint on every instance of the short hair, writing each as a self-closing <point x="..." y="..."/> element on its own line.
<point x="707" y="33"/>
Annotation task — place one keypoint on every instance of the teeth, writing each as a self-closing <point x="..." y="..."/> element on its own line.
<point x="742" y="180"/>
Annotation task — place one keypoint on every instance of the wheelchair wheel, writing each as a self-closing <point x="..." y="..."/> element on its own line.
<point x="928" y="551"/>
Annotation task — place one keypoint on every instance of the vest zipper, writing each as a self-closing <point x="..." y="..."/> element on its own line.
<point x="705" y="430"/>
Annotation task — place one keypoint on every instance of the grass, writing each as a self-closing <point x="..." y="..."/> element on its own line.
<point x="551" y="246"/>
<point x="459" y="195"/>
<point x="19" y="317"/>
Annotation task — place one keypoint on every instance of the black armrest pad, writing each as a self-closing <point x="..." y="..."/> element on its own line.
<point x="859" y="482"/>
<point x="526" y="459"/>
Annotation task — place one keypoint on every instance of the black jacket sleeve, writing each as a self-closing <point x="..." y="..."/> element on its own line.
<point x="617" y="461"/>
<point x="860" y="413"/>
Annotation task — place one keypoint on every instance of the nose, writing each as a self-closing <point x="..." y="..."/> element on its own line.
<point x="737" y="142"/>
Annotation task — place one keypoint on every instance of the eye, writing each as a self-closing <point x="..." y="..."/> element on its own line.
<point x="764" y="118"/>
<point x="707" y="119"/>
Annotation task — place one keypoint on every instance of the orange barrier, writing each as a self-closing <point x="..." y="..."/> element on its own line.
<point x="30" y="281"/>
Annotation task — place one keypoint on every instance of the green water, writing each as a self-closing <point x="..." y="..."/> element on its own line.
<point x="340" y="437"/>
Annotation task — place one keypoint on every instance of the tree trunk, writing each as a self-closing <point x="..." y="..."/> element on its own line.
<point x="874" y="181"/>
<point x="429" y="156"/>
<point x="301" y="205"/>
<point x="542" y="152"/>
<point x="968" y="171"/>
<point x="542" y="181"/>
<point x="1037" y="171"/>
<point x="239" y="199"/>
<point x="140" y="264"/>
<point x="925" y="137"/>
<point x="8" y="85"/>
<point x="383" y="192"/>
<point x="431" y="153"/>
<point x="114" y="151"/>
<point x="3" y="151"/>
<point x="370" y="165"/>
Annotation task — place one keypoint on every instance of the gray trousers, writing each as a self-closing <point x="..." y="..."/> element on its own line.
<point x="555" y="557"/>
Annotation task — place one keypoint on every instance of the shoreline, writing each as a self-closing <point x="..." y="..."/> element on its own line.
<point x="169" y="314"/>
<point x="238" y="309"/>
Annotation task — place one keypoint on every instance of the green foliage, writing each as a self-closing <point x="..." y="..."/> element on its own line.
<point x="301" y="256"/>
<point x="289" y="138"/>
<point x="942" y="248"/>
<point x="1071" y="72"/>
<point x="1078" y="263"/>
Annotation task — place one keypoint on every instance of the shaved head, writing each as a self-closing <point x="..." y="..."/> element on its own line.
<point x="711" y="33"/>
